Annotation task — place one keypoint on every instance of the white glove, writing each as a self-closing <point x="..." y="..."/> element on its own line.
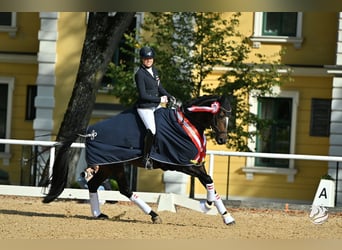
<point x="163" y="99"/>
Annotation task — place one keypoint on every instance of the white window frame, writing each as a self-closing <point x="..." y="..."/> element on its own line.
<point x="11" y="29"/>
<point x="6" y="155"/>
<point x="258" y="38"/>
<point x="250" y="169"/>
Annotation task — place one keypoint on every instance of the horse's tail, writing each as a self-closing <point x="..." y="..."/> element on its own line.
<point x="58" y="179"/>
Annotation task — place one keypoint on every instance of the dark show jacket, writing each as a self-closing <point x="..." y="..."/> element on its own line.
<point x="149" y="88"/>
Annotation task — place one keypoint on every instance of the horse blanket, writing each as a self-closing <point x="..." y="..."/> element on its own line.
<point x="121" y="138"/>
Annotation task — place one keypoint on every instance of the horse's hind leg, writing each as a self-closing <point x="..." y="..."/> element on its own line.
<point x="126" y="191"/>
<point x="101" y="174"/>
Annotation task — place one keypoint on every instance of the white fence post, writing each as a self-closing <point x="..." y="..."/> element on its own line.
<point x="52" y="159"/>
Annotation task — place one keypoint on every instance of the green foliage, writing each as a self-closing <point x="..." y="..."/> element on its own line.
<point x="188" y="46"/>
<point x="123" y="85"/>
<point x="327" y="177"/>
<point x="113" y="184"/>
<point x="75" y="185"/>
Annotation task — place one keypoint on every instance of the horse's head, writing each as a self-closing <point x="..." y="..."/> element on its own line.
<point x="210" y="112"/>
<point x="220" y="120"/>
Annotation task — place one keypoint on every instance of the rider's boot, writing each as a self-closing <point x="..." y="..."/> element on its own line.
<point x="148" y="143"/>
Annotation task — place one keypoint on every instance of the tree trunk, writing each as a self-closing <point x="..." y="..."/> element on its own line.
<point x="102" y="38"/>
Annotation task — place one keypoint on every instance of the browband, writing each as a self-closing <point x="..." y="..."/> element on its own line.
<point x="214" y="108"/>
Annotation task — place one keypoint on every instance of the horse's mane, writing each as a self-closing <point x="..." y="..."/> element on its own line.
<point x="201" y="101"/>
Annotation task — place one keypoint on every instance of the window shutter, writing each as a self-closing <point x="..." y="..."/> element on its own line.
<point x="320" y="117"/>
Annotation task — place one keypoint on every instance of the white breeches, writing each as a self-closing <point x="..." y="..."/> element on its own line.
<point x="147" y="116"/>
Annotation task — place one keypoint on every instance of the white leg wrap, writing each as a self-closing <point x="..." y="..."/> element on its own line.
<point x="142" y="204"/>
<point x="227" y="218"/>
<point x="219" y="205"/>
<point x="210" y="192"/>
<point x="94" y="204"/>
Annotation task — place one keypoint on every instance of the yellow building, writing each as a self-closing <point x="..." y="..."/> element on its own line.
<point x="39" y="58"/>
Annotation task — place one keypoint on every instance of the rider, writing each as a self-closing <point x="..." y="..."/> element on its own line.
<point x="151" y="95"/>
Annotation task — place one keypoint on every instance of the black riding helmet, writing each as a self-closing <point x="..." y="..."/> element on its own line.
<point x="146" y="52"/>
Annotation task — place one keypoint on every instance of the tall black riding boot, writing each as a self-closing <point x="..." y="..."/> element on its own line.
<point x="148" y="143"/>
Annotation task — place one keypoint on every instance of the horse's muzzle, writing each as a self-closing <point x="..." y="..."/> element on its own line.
<point x="221" y="140"/>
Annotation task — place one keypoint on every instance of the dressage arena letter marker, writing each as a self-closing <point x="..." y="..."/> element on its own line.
<point x="325" y="197"/>
<point x="325" y="194"/>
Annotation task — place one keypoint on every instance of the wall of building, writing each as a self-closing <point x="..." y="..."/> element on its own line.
<point x="19" y="61"/>
<point x="71" y="34"/>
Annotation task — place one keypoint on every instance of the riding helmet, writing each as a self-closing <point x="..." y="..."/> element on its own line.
<point x="146" y="52"/>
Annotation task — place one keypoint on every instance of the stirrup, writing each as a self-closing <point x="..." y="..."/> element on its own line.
<point x="147" y="162"/>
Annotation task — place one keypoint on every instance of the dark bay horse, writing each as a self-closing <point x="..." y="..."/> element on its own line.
<point x="180" y="146"/>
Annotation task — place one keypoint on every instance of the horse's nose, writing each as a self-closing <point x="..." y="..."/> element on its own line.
<point x="221" y="141"/>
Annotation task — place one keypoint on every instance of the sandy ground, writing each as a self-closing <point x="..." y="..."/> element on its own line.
<point x="29" y="218"/>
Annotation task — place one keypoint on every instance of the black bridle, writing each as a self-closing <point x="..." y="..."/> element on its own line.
<point x="222" y="114"/>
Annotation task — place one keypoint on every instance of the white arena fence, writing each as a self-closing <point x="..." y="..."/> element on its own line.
<point x="150" y="197"/>
<point x="332" y="159"/>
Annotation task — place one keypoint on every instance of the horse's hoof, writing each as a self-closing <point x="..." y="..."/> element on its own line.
<point x="230" y="223"/>
<point x="228" y="219"/>
<point x="205" y="207"/>
<point x="102" y="217"/>
<point x="156" y="220"/>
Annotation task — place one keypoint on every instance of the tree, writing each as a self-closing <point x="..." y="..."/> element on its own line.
<point x="187" y="45"/>
<point x="102" y="38"/>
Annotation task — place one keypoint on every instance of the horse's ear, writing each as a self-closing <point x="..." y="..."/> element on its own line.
<point x="223" y="99"/>
<point x="225" y="103"/>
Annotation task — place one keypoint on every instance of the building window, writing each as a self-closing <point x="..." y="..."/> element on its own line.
<point x="277" y="27"/>
<point x="279" y="24"/>
<point x="5" y="18"/>
<point x="281" y="110"/>
<point x="8" y="23"/>
<point x="30" y="108"/>
<point x="320" y="117"/>
<point x="6" y="96"/>
<point x="276" y="137"/>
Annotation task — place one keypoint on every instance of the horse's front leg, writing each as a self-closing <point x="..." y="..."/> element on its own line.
<point x="213" y="197"/>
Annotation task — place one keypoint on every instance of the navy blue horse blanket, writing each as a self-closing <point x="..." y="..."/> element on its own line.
<point x="121" y="137"/>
